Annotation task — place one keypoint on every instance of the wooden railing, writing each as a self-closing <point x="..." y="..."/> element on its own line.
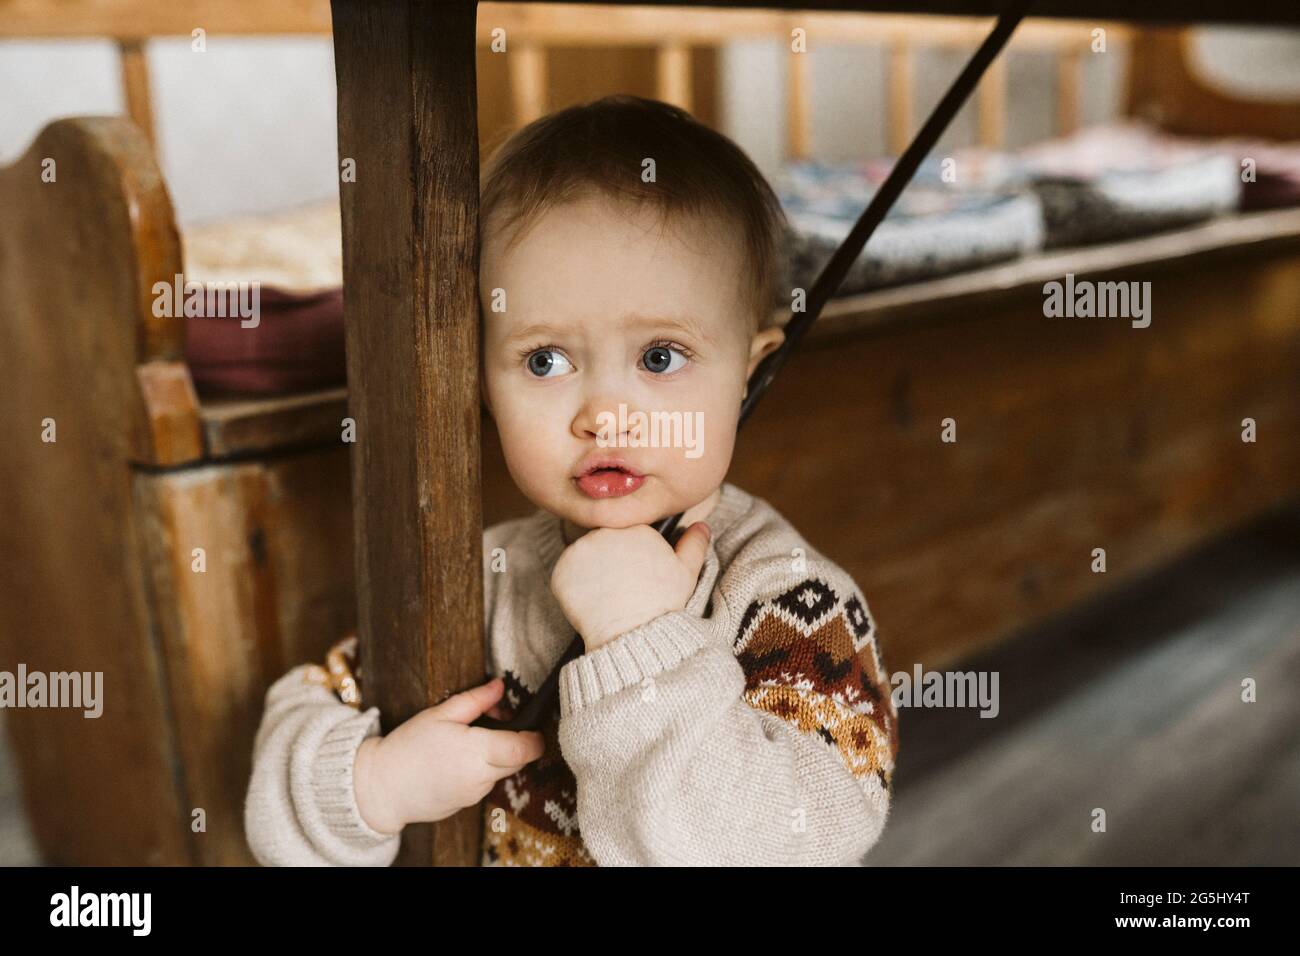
<point x="531" y="30"/>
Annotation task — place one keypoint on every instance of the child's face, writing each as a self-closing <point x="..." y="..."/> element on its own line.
<point x="602" y="308"/>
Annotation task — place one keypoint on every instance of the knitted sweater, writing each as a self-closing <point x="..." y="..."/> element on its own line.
<point x="755" y="726"/>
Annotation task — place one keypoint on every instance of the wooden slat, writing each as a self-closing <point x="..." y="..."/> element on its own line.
<point x="406" y="88"/>
<point x="242" y="426"/>
<point x="526" y="61"/>
<point x="798" y="95"/>
<point x="992" y="103"/>
<point x="900" y="85"/>
<point x="673" y="74"/>
<point x="1069" y="79"/>
<point x="135" y="86"/>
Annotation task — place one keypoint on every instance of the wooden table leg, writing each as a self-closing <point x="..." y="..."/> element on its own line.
<point x="407" y="113"/>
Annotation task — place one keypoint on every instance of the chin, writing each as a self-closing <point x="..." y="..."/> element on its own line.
<point x="643" y="506"/>
<point x="613" y="512"/>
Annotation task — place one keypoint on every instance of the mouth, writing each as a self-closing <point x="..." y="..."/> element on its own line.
<point x="608" y="478"/>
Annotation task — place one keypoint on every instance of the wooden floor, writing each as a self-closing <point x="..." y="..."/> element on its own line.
<point x="1132" y="705"/>
<point x="16" y="846"/>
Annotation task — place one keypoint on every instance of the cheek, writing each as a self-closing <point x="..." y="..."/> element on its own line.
<point x="508" y="404"/>
<point x="716" y="460"/>
<point x="526" y="428"/>
<point x="531" y="460"/>
<point x="714" y="440"/>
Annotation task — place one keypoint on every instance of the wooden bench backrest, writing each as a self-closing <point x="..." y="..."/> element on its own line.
<point x="532" y="30"/>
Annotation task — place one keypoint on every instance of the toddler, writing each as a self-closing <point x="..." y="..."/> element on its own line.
<point x="730" y="706"/>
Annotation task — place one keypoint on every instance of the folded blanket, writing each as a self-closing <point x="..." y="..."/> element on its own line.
<point x="936" y="227"/>
<point x="1115" y="181"/>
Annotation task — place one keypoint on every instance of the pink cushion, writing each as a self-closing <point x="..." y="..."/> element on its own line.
<point x="296" y="346"/>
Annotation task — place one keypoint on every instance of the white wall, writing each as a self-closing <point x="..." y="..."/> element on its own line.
<point x="246" y="126"/>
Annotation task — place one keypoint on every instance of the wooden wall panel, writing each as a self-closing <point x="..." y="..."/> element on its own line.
<point x="276" y="589"/>
<point x="1072" y="434"/>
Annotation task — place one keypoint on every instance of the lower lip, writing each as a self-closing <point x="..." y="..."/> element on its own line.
<point x="609" y="484"/>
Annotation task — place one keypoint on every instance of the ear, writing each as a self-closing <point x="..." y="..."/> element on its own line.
<point x="763" y="343"/>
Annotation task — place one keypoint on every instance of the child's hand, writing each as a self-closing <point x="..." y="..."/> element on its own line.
<point x="614" y="579"/>
<point x="435" y="764"/>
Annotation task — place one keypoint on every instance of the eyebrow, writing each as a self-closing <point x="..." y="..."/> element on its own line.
<point x="535" y="330"/>
<point x="688" y="325"/>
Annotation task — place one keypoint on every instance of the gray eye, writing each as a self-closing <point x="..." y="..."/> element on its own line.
<point x="659" y="359"/>
<point x="545" y="361"/>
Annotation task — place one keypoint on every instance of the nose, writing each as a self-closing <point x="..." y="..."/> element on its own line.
<point x="598" y="415"/>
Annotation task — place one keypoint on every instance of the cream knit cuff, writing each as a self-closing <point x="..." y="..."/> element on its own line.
<point x="656" y="646"/>
<point x="333" y="785"/>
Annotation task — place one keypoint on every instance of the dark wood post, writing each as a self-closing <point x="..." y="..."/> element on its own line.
<point x="407" y="113"/>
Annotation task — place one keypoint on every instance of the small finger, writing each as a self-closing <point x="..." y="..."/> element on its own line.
<point x="469" y="705"/>
<point x="509" y="748"/>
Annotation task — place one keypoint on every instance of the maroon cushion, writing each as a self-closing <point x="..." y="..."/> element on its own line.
<point x="1273" y="188"/>
<point x="296" y="346"/>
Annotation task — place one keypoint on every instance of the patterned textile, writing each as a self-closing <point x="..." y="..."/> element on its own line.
<point x="810" y="659"/>
<point x="1113" y="182"/>
<point x="936" y="227"/>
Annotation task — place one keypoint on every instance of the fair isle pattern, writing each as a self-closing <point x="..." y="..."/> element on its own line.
<point x="531" y="817"/>
<point x="509" y="841"/>
<point x="341" y="673"/>
<point x="810" y="658"/>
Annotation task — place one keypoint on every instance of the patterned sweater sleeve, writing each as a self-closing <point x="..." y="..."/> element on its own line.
<point x="300" y="809"/>
<point x="762" y="736"/>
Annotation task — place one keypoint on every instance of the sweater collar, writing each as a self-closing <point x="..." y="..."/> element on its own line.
<point x="548" y="537"/>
